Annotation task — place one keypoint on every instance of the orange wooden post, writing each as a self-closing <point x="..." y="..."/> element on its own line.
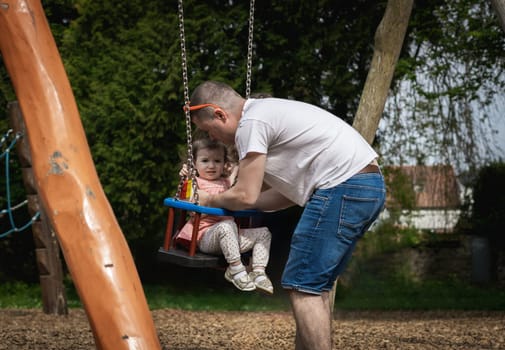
<point x="92" y="243"/>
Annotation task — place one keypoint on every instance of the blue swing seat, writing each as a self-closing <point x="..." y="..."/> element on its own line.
<point x="185" y="205"/>
<point x="171" y="253"/>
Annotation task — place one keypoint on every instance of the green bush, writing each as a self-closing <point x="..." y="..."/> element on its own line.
<point x="488" y="210"/>
<point x="388" y="237"/>
<point x="485" y="210"/>
<point x="372" y="292"/>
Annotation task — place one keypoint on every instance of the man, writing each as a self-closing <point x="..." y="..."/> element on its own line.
<point x="294" y="153"/>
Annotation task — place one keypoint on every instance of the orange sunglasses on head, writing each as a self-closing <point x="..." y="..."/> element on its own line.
<point x="197" y="107"/>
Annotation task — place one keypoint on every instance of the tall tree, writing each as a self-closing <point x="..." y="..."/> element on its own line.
<point x="388" y="44"/>
<point x="389" y="39"/>
<point x="499" y="7"/>
<point x="122" y="60"/>
<point x="318" y="52"/>
<point x="448" y="78"/>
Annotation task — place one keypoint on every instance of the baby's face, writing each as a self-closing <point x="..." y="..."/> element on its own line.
<point x="210" y="163"/>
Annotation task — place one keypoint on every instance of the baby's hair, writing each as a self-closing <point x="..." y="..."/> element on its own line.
<point x="232" y="154"/>
<point x="206" y="143"/>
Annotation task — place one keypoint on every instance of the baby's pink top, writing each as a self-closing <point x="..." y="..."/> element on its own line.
<point x="206" y="221"/>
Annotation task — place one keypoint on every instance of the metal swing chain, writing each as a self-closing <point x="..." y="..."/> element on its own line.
<point x="189" y="139"/>
<point x="190" y="160"/>
<point x="249" y="50"/>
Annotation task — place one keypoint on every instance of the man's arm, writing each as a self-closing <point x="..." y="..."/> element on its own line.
<point x="271" y="200"/>
<point x="247" y="189"/>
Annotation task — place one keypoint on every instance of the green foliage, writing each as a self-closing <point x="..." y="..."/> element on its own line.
<point x="447" y="77"/>
<point x="119" y="58"/>
<point x="208" y="298"/>
<point x="326" y="65"/>
<point x="485" y="209"/>
<point x="379" y="278"/>
<point x="6" y="95"/>
<point x="400" y="190"/>
<point x="59" y="14"/>
<point x="20" y="295"/>
<point x="489" y="201"/>
<point x="372" y="292"/>
<point x="386" y="237"/>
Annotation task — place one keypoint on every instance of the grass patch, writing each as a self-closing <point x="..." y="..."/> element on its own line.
<point x="370" y="292"/>
<point x="381" y="278"/>
<point x="366" y="293"/>
<point x="28" y="296"/>
<point x="160" y="297"/>
<point x="375" y="283"/>
<point x="20" y="295"/>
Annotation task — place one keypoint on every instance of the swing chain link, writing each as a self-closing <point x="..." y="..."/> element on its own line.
<point x="250" y="50"/>
<point x="189" y="160"/>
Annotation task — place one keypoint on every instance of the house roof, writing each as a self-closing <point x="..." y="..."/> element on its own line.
<point x="433" y="187"/>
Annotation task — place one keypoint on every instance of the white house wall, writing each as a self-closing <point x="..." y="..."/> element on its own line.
<point x="436" y="220"/>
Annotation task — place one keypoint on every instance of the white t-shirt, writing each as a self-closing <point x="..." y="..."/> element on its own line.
<point x="307" y="147"/>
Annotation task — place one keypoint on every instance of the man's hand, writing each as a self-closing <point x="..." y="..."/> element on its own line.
<point x="246" y="191"/>
<point x="203" y="198"/>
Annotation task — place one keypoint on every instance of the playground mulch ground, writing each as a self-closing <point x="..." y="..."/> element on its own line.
<point x="184" y="330"/>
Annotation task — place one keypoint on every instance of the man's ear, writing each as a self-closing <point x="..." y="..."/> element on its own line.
<point x="220" y="114"/>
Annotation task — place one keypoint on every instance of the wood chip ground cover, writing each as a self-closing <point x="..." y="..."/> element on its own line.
<point x="185" y="330"/>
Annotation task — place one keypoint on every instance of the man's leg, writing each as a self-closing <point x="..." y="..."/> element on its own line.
<point x="313" y="320"/>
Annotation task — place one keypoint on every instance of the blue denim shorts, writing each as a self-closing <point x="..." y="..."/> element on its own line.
<point x="332" y="222"/>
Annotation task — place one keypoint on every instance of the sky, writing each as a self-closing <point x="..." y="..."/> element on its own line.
<point x="498" y="121"/>
<point x="413" y="124"/>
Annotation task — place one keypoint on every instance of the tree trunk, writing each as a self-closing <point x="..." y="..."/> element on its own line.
<point x="499" y="8"/>
<point x="389" y="39"/>
<point x="92" y="243"/>
<point x="388" y="44"/>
